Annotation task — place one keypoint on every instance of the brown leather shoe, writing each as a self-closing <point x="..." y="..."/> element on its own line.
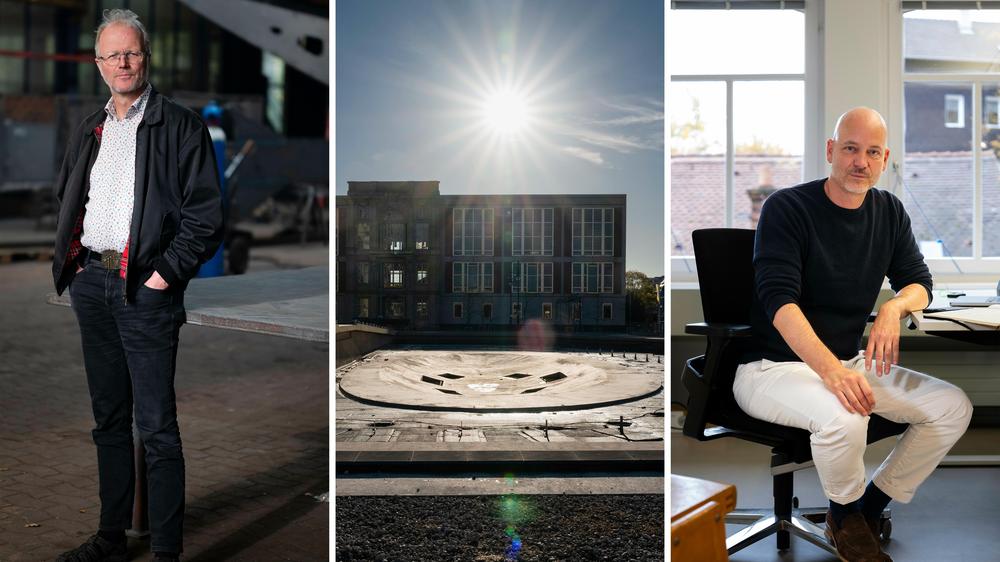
<point x="853" y="540"/>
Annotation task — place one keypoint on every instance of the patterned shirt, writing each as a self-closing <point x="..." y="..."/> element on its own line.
<point x="108" y="215"/>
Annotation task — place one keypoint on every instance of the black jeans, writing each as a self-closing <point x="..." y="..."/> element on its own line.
<point x="130" y="351"/>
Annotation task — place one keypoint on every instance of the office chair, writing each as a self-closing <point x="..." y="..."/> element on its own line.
<point x="725" y="276"/>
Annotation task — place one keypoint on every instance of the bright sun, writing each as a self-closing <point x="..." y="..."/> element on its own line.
<point x="506" y="112"/>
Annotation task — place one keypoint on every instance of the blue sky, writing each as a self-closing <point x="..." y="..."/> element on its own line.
<point x="497" y="97"/>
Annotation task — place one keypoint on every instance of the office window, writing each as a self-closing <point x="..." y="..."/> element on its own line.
<point x="487" y="311"/>
<point x="531" y="232"/>
<point x="472" y="277"/>
<point x="948" y="179"/>
<point x="531" y="277"/>
<point x="593" y="277"/>
<point x="363" y="273"/>
<point x="472" y="232"/>
<point x="456" y="311"/>
<point x="547" y="310"/>
<point x="393" y="237"/>
<point x="364" y="236"/>
<point x="394" y="308"/>
<point x="423" y="236"/>
<point x="593" y="232"/>
<point x="393" y="275"/>
<point x="713" y="184"/>
<point x="422" y="274"/>
<point x="363" y="307"/>
<point x="954" y="111"/>
<point x="421" y="309"/>
<point x="606" y="311"/>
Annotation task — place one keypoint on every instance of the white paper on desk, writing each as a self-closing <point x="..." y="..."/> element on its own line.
<point x="984" y="316"/>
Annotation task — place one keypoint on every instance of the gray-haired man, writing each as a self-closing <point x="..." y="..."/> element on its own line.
<point x="139" y="212"/>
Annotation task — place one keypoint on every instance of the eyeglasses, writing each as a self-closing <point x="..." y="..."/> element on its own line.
<point x="130" y="57"/>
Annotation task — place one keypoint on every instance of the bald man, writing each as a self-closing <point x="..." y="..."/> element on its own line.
<point x="822" y="252"/>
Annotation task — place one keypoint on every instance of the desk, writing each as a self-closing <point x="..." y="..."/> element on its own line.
<point x="978" y="334"/>
<point x="293" y="303"/>
<point x="698" y="511"/>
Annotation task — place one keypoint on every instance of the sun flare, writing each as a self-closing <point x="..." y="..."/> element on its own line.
<point x="506" y="112"/>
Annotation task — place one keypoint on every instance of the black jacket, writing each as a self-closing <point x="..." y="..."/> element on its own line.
<point x="177" y="213"/>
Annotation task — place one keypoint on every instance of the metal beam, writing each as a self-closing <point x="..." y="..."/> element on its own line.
<point x="301" y="40"/>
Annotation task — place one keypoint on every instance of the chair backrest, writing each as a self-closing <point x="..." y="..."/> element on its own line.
<point x="724" y="257"/>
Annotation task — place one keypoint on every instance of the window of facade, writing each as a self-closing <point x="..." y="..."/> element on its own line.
<point x="472" y="277"/>
<point x="531" y="277"/>
<point x="394" y="237"/>
<point x="363" y="273"/>
<point x="515" y="310"/>
<point x="456" y="311"/>
<point x="421" y="309"/>
<point x="531" y="232"/>
<point x="720" y="151"/>
<point x="593" y="277"/>
<point x="606" y="311"/>
<point x="423" y="236"/>
<point x="947" y="181"/>
<point x="577" y="311"/>
<point x="547" y="310"/>
<point x="394" y="275"/>
<point x="991" y="112"/>
<point x="487" y="311"/>
<point x="472" y="232"/>
<point x="394" y="308"/>
<point x="363" y="213"/>
<point x="364" y="236"/>
<point x="422" y="274"/>
<point x="593" y="231"/>
<point x="954" y="111"/>
<point x="363" y="307"/>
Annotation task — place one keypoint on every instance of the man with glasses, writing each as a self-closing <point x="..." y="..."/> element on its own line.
<point x="139" y="212"/>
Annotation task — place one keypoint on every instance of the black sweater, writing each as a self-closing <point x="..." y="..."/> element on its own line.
<point x="830" y="261"/>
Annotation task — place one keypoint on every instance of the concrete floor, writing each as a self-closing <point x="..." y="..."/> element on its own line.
<point x="953" y="517"/>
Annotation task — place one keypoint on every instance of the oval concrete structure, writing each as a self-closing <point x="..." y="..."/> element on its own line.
<point x="498" y="381"/>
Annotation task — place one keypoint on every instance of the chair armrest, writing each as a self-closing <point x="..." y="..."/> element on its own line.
<point x="715" y="330"/>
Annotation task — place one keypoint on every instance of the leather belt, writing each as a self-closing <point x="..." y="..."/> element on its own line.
<point x="110" y="259"/>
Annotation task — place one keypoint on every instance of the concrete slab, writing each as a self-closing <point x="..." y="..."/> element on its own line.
<point x="498" y="381"/>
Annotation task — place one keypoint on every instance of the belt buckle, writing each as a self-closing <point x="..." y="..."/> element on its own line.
<point x="111" y="259"/>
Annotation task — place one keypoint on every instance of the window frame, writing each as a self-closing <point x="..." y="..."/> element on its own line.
<point x="392" y="270"/>
<point x="518" y="227"/>
<point x="485" y="236"/>
<point x="457" y="311"/>
<point x="605" y="273"/>
<point x="960" y="124"/>
<point x="578" y="231"/>
<point x="607" y="311"/>
<point x="459" y="281"/>
<point x="543" y="278"/>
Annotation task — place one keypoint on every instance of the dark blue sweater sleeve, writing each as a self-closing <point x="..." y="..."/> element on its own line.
<point x="778" y="254"/>
<point x="907" y="266"/>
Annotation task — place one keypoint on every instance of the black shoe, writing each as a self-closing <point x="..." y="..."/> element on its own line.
<point x="96" y="549"/>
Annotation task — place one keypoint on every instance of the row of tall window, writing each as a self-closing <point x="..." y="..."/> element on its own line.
<point x="477" y="277"/>
<point x="531" y="232"/>
<point x="395" y="307"/>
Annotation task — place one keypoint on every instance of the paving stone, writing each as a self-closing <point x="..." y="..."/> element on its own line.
<point x="250" y="407"/>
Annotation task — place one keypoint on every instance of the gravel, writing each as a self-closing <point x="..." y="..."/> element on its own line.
<point x="546" y="528"/>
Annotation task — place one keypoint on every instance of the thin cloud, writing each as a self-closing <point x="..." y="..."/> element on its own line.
<point x="584" y="154"/>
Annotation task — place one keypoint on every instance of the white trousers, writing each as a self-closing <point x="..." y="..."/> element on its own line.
<point x="792" y="394"/>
